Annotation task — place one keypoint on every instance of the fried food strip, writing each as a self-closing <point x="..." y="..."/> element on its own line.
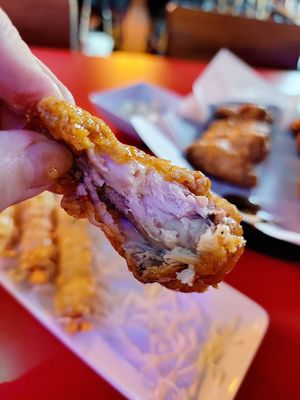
<point x="8" y="230"/>
<point x="37" y="262"/>
<point x="76" y="286"/>
<point x="229" y="149"/>
<point x="162" y="219"/>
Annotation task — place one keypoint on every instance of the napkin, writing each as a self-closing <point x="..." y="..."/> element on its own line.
<point x="228" y="79"/>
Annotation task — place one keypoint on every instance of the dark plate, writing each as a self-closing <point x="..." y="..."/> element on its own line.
<point x="274" y="199"/>
<point x="276" y="191"/>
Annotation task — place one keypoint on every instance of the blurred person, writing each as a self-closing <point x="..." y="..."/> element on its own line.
<point x="29" y="162"/>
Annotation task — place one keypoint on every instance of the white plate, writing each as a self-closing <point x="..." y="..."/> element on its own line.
<point x="220" y="330"/>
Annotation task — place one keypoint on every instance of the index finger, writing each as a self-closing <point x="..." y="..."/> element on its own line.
<point x="22" y="80"/>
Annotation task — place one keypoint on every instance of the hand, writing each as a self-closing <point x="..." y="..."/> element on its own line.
<point x="28" y="161"/>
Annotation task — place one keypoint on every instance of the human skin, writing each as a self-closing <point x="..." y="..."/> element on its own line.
<point x="29" y="162"/>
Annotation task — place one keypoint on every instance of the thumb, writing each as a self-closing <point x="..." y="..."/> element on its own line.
<point x="29" y="164"/>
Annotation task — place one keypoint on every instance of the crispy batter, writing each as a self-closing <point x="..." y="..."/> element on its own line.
<point x="229" y="148"/>
<point x="76" y="286"/>
<point x="87" y="135"/>
<point x="37" y="249"/>
<point x="8" y="230"/>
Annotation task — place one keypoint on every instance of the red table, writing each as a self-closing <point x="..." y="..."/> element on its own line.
<point x="36" y="366"/>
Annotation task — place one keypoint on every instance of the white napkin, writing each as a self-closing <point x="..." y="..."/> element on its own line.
<point x="228" y="79"/>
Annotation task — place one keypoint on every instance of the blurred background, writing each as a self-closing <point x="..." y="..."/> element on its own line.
<point x="262" y="32"/>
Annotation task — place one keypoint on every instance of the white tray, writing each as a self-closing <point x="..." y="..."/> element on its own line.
<point x="223" y="358"/>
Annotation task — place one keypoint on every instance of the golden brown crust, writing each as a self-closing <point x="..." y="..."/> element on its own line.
<point x="38" y="255"/>
<point x="75" y="283"/>
<point x="8" y="231"/>
<point x="225" y="165"/>
<point x="229" y="148"/>
<point x="245" y="111"/>
<point x="82" y="132"/>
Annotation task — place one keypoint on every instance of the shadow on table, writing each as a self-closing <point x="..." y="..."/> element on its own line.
<point x="258" y="241"/>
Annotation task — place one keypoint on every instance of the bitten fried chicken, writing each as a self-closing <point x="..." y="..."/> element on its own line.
<point x="161" y="218"/>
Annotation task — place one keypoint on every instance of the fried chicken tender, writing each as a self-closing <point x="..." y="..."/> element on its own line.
<point x="37" y="262"/>
<point x="229" y="148"/>
<point x="76" y="286"/>
<point x="162" y="219"/>
<point x="8" y="230"/>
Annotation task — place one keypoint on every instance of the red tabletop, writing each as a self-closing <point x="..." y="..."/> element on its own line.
<point x="35" y="366"/>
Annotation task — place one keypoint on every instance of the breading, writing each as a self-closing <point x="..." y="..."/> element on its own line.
<point x="37" y="263"/>
<point x="8" y="230"/>
<point x="229" y="149"/>
<point x="75" y="283"/>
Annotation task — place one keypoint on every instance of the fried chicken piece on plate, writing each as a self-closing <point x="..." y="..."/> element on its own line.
<point x="245" y="111"/>
<point x="229" y="149"/>
<point x="162" y="219"/>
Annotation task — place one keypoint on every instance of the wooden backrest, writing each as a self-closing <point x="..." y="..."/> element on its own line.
<point x="52" y="23"/>
<point x="192" y="33"/>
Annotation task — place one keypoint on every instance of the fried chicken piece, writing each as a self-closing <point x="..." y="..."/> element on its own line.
<point x="245" y="111"/>
<point x="219" y="159"/>
<point x="229" y="148"/>
<point x="37" y="262"/>
<point x="161" y="218"/>
<point x="8" y="230"/>
<point x="225" y="112"/>
<point x="295" y="127"/>
<point x="76" y="286"/>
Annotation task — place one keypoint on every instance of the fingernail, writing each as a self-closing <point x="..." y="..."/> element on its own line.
<point x="46" y="161"/>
